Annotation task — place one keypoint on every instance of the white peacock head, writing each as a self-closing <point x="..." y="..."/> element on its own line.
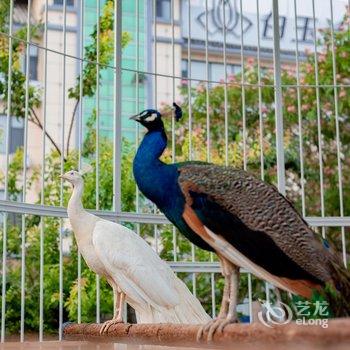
<point x="73" y="176"/>
<point x="76" y="177"/>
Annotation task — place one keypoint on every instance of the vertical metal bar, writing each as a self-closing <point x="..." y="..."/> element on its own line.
<point x="261" y="122"/>
<point x="319" y="129"/>
<point x="207" y="101"/>
<point x="3" y="287"/>
<point x="60" y="311"/>
<point x="79" y="288"/>
<point x="97" y="142"/>
<point x="225" y="81"/>
<point x="244" y="121"/>
<point x="24" y="192"/>
<point x="250" y="301"/>
<point x="193" y="253"/>
<point x="173" y="145"/>
<point x="278" y="100"/>
<point x="337" y="132"/>
<point x="97" y="298"/>
<point x="207" y="80"/>
<point x="348" y="10"/>
<point x="8" y="114"/>
<point x="4" y="238"/>
<point x="41" y="282"/>
<point x="42" y="199"/>
<point x="213" y="297"/>
<point x="97" y="145"/>
<point x="155" y="52"/>
<point x="81" y="83"/>
<point x="300" y="119"/>
<point x="156" y="238"/>
<point x="117" y="106"/>
<point x="63" y="94"/>
<point x="60" y="318"/>
<point x="189" y="82"/>
<point x="267" y="291"/>
<point x="243" y="93"/>
<point x="80" y="136"/>
<point x="173" y="80"/>
<point x="137" y="130"/>
<point x="155" y="90"/>
<point x="8" y="123"/>
<point x="348" y="13"/>
<point x="174" y="243"/>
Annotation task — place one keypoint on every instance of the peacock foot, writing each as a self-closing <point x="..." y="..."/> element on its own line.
<point x="107" y="324"/>
<point x="213" y="327"/>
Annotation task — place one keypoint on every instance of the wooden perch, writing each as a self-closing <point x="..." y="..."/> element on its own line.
<point x="338" y="331"/>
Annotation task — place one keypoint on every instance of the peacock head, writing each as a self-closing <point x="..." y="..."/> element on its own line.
<point x="151" y="119"/>
<point x="74" y="177"/>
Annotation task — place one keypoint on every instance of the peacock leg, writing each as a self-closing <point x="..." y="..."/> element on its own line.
<point x="231" y="316"/>
<point x="118" y="313"/>
<point x="228" y="304"/>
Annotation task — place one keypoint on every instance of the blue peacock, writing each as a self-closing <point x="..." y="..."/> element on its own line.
<point x="244" y="220"/>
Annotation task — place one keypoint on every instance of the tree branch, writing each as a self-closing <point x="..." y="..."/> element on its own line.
<point x="71" y="125"/>
<point x="37" y="122"/>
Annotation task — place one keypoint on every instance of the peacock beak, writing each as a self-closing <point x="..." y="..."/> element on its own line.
<point x="135" y="117"/>
<point x="62" y="177"/>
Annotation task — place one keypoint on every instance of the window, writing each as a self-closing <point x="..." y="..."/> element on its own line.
<point x="197" y="70"/>
<point x="216" y="70"/>
<point x="33" y="63"/>
<point x="163" y="10"/>
<point x="184" y="69"/>
<point x="16" y="134"/>
<point x="60" y="2"/>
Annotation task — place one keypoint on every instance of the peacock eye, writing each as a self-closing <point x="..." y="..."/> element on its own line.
<point x="71" y="173"/>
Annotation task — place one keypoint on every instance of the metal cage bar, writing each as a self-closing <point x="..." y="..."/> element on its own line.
<point x="7" y="150"/>
<point x="319" y="120"/>
<point x="278" y="99"/>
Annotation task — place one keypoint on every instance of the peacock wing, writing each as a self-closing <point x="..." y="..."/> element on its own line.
<point x="134" y="265"/>
<point x="256" y="219"/>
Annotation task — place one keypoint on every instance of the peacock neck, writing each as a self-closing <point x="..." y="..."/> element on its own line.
<point x="78" y="216"/>
<point x="152" y="147"/>
<point x="148" y="153"/>
<point x="75" y="205"/>
<point x="152" y="175"/>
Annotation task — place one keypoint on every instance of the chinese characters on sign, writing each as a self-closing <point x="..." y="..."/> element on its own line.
<point x="225" y="19"/>
<point x="305" y="28"/>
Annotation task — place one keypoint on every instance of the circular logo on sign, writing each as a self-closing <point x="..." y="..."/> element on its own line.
<point x="274" y="315"/>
